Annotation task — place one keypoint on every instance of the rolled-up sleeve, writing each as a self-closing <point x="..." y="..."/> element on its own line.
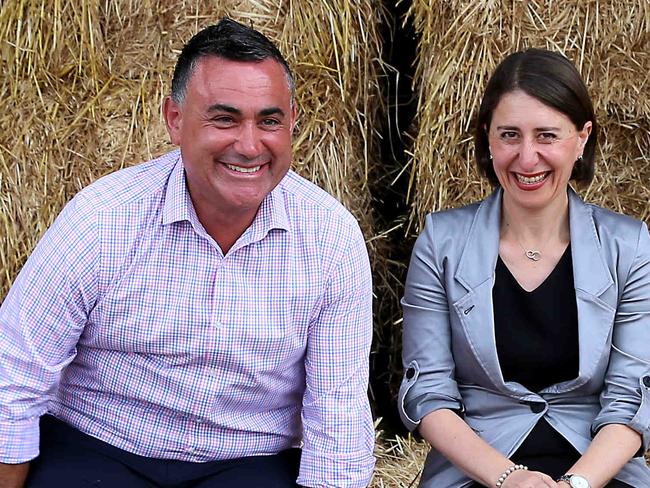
<point x="428" y="382"/>
<point x="338" y="430"/>
<point x="625" y="398"/>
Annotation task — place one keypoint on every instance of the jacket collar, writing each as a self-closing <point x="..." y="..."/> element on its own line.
<point x="478" y="259"/>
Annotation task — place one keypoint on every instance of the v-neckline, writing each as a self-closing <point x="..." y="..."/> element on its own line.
<point x="511" y="276"/>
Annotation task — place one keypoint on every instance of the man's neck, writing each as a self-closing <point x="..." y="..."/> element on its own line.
<point x="224" y="228"/>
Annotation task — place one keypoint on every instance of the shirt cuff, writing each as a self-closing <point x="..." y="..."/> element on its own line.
<point x="19" y="440"/>
<point x="320" y="470"/>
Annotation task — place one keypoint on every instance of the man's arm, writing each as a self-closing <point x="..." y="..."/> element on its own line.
<point x="41" y="320"/>
<point x="338" y="431"/>
<point x="13" y="475"/>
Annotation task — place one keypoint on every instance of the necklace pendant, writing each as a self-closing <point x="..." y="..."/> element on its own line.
<point x="533" y="255"/>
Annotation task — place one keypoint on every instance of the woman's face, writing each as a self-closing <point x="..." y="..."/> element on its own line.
<point x="534" y="148"/>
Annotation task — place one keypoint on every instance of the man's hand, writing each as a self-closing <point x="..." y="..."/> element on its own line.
<point x="13" y="475"/>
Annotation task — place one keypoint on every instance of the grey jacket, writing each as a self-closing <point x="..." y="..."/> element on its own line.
<point x="449" y="352"/>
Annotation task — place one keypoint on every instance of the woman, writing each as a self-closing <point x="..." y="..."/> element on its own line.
<point x="527" y="315"/>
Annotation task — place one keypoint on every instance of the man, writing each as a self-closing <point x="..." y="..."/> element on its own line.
<point x="194" y="320"/>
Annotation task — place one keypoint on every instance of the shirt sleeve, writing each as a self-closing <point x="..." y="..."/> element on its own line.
<point x="625" y="398"/>
<point x="338" y="432"/>
<point x="429" y="370"/>
<point x="40" y="323"/>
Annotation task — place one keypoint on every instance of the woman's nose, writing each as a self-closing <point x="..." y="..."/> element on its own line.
<point x="529" y="156"/>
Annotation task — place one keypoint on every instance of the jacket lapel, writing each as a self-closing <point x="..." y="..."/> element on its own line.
<point x="476" y="273"/>
<point x="591" y="278"/>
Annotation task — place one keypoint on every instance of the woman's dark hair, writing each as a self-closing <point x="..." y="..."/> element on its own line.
<point x="229" y="40"/>
<point x="553" y="80"/>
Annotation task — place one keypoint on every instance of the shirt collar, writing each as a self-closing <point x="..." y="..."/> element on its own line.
<point x="177" y="206"/>
<point x="272" y="214"/>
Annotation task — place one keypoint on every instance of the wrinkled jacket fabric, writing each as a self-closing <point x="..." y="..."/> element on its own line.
<point x="449" y="351"/>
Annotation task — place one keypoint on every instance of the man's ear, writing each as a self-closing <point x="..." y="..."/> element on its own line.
<point x="294" y="115"/>
<point x="173" y="114"/>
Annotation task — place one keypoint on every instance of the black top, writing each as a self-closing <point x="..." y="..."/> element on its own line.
<point x="537" y="332"/>
<point x="537" y="343"/>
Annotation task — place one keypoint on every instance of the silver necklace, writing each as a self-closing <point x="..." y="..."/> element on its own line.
<point x="532" y="254"/>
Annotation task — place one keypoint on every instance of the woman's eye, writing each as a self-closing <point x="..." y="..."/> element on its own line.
<point x="508" y="134"/>
<point x="547" y="136"/>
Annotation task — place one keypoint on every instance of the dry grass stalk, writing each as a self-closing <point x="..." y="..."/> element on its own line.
<point x="461" y="41"/>
<point x="399" y="462"/>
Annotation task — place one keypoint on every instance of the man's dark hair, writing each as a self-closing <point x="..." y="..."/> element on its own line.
<point x="553" y="80"/>
<point x="229" y="40"/>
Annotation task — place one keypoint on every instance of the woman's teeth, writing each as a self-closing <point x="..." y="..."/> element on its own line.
<point x="530" y="180"/>
<point x="241" y="169"/>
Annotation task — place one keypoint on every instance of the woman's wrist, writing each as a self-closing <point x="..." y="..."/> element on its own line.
<point x="504" y="476"/>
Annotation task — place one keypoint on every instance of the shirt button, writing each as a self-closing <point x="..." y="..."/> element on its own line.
<point x="646" y="381"/>
<point x="189" y="450"/>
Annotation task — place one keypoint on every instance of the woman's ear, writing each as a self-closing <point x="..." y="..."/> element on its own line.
<point x="583" y="135"/>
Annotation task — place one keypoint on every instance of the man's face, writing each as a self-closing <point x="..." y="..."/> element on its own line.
<point x="234" y="130"/>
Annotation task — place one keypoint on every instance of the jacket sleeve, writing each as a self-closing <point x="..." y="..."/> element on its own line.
<point x="429" y="368"/>
<point x="625" y="398"/>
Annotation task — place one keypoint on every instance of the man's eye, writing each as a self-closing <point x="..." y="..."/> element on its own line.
<point x="270" y="122"/>
<point x="223" y="120"/>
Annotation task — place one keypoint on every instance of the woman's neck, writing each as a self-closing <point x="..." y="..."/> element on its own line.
<point x="536" y="227"/>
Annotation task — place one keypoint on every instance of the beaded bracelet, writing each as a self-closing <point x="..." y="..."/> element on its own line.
<point x="508" y="472"/>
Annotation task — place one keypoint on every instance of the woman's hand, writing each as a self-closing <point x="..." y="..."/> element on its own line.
<point x="529" y="479"/>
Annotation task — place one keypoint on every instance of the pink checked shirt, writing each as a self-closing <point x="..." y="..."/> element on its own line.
<point x="130" y="324"/>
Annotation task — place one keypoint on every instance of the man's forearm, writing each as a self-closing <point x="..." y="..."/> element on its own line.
<point x="13" y="475"/>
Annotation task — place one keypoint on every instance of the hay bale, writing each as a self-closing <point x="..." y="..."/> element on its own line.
<point x="461" y="42"/>
<point x="84" y="83"/>
<point x="399" y="462"/>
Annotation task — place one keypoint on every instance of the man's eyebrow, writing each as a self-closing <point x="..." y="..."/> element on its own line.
<point x="220" y="107"/>
<point x="272" y="111"/>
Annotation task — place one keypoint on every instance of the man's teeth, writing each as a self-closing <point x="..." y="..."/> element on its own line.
<point x="531" y="180"/>
<point x="241" y="169"/>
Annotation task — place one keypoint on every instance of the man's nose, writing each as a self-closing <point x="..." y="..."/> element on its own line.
<point x="248" y="142"/>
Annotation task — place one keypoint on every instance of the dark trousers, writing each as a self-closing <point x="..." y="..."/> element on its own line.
<point x="72" y="459"/>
